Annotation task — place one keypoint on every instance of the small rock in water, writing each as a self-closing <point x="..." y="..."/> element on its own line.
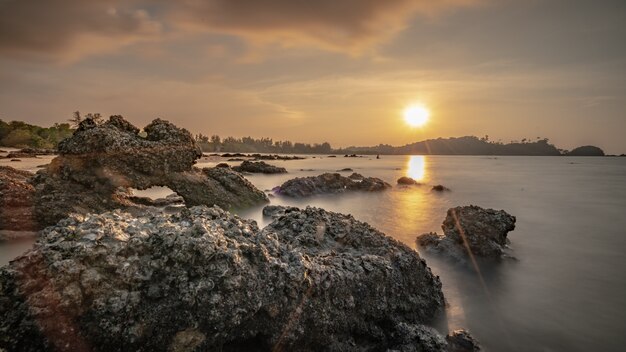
<point x="440" y="188"/>
<point x="259" y="167"/>
<point x="407" y="181"/>
<point x="329" y="183"/>
<point x="483" y="231"/>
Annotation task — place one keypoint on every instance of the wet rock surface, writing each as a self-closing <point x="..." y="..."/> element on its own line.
<point x="204" y="279"/>
<point x="259" y="167"/>
<point x="440" y="188"/>
<point x="407" y="181"/>
<point x="481" y="231"/>
<point x="216" y="186"/>
<point x="16" y="200"/>
<point x="276" y="211"/>
<point x="98" y="165"/>
<point x="462" y="341"/>
<point x="330" y="183"/>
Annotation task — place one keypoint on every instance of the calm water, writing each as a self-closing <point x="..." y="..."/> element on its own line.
<point x="567" y="291"/>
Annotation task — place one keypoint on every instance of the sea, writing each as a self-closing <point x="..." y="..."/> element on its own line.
<point x="566" y="289"/>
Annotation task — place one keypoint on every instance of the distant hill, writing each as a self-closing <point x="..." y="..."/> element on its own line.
<point x="468" y="145"/>
<point x="587" y="150"/>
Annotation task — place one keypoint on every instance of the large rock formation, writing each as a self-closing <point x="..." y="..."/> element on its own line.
<point x="481" y="231"/>
<point x="259" y="167"/>
<point x="98" y="165"/>
<point x="329" y="183"/>
<point x="204" y="279"/>
<point x="16" y="200"/>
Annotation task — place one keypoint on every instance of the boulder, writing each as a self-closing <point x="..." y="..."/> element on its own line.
<point x="482" y="231"/>
<point x="329" y="183"/>
<point x="16" y="200"/>
<point x="259" y="167"/>
<point x="407" y="181"/>
<point x="204" y="279"/>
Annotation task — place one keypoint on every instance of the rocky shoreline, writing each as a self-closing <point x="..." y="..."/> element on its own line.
<point x="111" y="271"/>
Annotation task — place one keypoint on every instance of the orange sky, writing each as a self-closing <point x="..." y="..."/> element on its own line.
<point x="327" y="70"/>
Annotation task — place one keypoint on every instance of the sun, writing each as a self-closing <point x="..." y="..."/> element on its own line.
<point x="416" y="115"/>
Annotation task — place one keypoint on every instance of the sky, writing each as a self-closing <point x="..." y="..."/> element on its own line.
<point x="340" y="71"/>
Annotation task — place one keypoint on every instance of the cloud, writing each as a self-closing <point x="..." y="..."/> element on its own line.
<point x="71" y="29"/>
<point x="346" y="25"/>
<point x="68" y="30"/>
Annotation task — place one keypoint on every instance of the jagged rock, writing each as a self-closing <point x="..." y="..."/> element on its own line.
<point x="216" y="186"/>
<point x="407" y="181"/>
<point x="16" y="200"/>
<point x="462" y="341"/>
<point x="204" y="279"/>
<point x="483" y="231"/>
<point x="98" y="165"/>
<point x="259" y="167"/>
<point x="118" y="155"/>
<point x="440" y="188"/>
<point x="329" y="183"/>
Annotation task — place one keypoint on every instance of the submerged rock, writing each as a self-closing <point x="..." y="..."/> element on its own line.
<point x="259" y="167"/>
<point x="440" y="188"/>
<point x="16" y="200"/>
<point x="329" y="183"/>
<point x="204" y="279"/>
<point x="407" y="181"/>
<point x="482" y="231"/>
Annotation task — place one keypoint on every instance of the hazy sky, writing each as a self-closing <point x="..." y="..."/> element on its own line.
<point x="340" y="71"/>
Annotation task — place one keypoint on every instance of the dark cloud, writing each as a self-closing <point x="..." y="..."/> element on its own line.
<point x="345" y="25"/>
<point x="71" y="28"/>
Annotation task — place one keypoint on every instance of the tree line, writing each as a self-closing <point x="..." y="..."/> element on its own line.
<point x="258" y="145"/>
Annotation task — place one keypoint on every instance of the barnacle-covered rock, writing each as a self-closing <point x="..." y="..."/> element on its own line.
<point x="330" y="183"/>
<point x="98" y="165"/>
<point x="481" y="231"/>
<point x="204" y="279"/>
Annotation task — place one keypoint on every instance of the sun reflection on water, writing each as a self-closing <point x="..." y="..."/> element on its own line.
<point x="416" y="167"/>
